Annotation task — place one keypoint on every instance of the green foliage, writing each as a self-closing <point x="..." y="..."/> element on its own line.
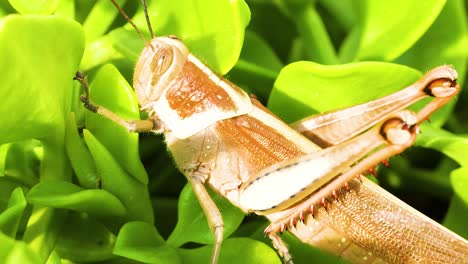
<point x="76" y="187"/>
<point x="191" y="224"/>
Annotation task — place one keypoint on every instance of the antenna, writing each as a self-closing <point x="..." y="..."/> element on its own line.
<point x="131" y="22"/>
<point x="148" y="22"/>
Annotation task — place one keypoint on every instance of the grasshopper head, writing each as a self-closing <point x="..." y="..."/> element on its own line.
<point x="181" y="92"/>
<point x="157" y="66"/>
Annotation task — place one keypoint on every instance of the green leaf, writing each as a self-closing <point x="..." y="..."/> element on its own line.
<point x="44" y="7"/>
<point x="314" y="38"/>
<point x="387" y="32"/>
<point x="459" y="179"/>
<point x="22" y="161"/>
<point x="110" y="90"/>
<point x="455" y="147"/>
<point x="213" y="30"/>
<point x="40" y="55"/>
<point x="62" y="194"/>
<point x="100" y="18"/>
<point x="273" y="25"/>
<point x="312" y="88"/>
<point x="26" y="74"/>
<point x="233" y="250"/>
<point x="192" y="225"/>
<point x="11" y="217"/>
<point x="12" y="251"/>
<point x="99" y="52"/>
<point x="303" y="252"/>
<point x="54" y="258"/>
<point x="131" y="192"/>
<point x="257" y="67"/>
<point x="83" y="239"/>
<point x="80" y="158"/>
<point x="7" y="186"/>
<point x="449" y="45"/>
<point x="141" y="241"/>
<point x="457" y="213"/>
<point x="257" y="52"/>
<point x="4" y="148"/>
<point x="99" y="46"/>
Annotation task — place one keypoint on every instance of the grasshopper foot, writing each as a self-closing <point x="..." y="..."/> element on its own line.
<point x="281" y="247"/>
<point x="83" y="80"/>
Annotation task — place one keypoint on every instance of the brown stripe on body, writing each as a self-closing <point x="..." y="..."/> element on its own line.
<point x="257" y="144"/>
<point x="194" y="92"/>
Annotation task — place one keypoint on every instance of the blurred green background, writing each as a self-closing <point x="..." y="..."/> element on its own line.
<point x="76" y="188"/>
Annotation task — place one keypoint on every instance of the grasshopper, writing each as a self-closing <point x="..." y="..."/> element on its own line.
<point x="303" y="178"/>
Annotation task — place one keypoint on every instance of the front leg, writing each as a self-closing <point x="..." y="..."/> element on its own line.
<point x="151" y="124"/>
<point x="196" y="158"/>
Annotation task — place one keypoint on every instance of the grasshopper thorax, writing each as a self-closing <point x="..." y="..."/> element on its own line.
<point x="175" y="87"/>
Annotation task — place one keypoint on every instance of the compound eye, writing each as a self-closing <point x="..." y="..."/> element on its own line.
<point x="161" y="62"/>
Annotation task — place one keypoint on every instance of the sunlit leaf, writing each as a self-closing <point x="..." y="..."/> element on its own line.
<point x="62" y="194"/>
<point x="141" y="241"/>
<point x="213" y="30"/>
<point x="234" y="250"/>
<point x="110" y="90"/>
<point x="313" y="88"/>
<point x="192" y="225"/>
